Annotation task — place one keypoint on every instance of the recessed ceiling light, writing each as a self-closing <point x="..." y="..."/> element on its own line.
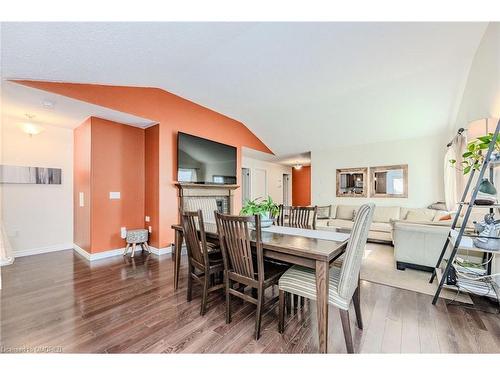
<point x="49" y="104"/>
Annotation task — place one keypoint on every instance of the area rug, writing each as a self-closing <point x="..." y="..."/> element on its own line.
<point x="379" y="267"/>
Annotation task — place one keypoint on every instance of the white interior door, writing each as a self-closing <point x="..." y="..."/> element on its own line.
<point x="286" y="190"/>
<point x="245" y="185"/>
<point x="259" y="183"/>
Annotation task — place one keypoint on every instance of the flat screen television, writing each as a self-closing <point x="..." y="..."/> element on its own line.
<point x="202" y="161"/>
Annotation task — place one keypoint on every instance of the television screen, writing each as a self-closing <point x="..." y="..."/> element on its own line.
<point x="205" y="162"/>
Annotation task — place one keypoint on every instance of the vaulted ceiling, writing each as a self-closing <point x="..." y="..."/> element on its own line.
<point x="297" y="86"/>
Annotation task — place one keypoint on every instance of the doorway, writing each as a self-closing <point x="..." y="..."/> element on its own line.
<point x="245" y="184"/>
<point x="286" y="189"/>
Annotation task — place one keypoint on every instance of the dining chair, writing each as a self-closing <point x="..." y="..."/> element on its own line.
<point x="241" y="266"/>
<point x="344" y="281"/>
<point x="205" y="259"/>
<point x="297" y="216"/>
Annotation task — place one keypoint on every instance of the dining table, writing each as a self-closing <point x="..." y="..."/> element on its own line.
<point x="315" y="249"/>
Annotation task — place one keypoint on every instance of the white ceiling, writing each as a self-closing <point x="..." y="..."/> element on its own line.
<point x="18" y="100"/>
<point x="297" y="86"/>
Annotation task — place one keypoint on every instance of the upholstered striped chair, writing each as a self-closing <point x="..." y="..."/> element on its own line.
<point x="344" y="281"/>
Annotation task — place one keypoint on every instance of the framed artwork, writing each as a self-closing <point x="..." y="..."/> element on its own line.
<point x="13" y="174"/>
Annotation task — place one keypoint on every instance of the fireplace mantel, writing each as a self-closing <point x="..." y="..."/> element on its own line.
<point x="219" y="192"/>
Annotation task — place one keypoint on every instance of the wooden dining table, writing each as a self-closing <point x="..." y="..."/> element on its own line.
<point x="314" y="253"/>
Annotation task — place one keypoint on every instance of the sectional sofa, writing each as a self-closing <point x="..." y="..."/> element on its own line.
<point x="418" y="234"/>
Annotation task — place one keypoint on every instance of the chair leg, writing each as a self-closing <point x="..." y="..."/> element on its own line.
<point x="206" y="282"/>
<point x="142" y="247"/>
<point x="126" y="249"/>
<point x="295" y="302"/>
<point x="260" y="298"/>
<point x="228" y="299"/>
<point x="357" y="307"/>
<point x="288" y="299"/>
<point x="190" y="284"/>
<point x="301" y="301"/>
<point x="133" y="250"/>
<point x="147" y="247"/>
<point x="346" y="326"/>
<point x="281" y="312"/>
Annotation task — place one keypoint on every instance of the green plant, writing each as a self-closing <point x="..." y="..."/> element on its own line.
<point x="260" y="206"/>
<point x="474" y="157"/>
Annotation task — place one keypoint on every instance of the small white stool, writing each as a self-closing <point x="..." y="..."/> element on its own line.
<point x="137" y="237"/>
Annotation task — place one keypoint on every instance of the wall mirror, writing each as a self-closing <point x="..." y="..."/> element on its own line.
<point x="352" y="182"/>
<point x="389" y="181"/>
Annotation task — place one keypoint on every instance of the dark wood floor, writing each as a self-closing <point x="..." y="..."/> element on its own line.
<point x="59" y="302"/>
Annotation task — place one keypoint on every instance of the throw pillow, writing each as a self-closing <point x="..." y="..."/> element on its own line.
<point x="419" y="215"/>
<point x="445" y="217"/>
<point x="323" y="212"/>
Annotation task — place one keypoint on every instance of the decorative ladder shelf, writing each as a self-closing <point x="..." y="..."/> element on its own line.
<point x="458" y="239"/>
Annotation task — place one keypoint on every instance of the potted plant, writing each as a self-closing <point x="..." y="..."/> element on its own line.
<point x="473" y="158"/>
<point x="266" y="208"/>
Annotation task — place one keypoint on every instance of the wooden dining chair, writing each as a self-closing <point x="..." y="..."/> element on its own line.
<point x="344" y="281"/>
<point x="240" y="264"/>
<point x="204" y="261"/>
<point x="297" y="216"/>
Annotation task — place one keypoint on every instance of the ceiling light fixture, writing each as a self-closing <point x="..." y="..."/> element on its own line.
<point x="297" y="166"/>
<point x="29" y="127"/>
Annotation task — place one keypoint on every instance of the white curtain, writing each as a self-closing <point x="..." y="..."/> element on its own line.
<point x="6" y="253"/>
<point x="454" y="180"/>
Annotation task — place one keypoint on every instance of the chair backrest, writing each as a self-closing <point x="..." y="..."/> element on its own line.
<point x="196" y="245"/>
<point x="283" y="214"/>
<point x="351" y="265"/>
<point x="206" y="204"/>
<point x="302" y="217"/>
<point x="235" y="237"/>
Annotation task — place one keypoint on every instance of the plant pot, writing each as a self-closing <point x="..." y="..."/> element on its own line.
<point x="266" y="220"/>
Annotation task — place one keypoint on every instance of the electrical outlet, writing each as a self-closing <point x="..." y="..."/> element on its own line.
<point x="150" y="229"/>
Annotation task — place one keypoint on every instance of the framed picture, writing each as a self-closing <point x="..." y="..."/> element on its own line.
<point x="389" y="181"/>
<point x="13" y="174"/>
<point x="352" y="182"/>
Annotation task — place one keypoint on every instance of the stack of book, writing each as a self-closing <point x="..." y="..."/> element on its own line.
<point x="467" y="272"/>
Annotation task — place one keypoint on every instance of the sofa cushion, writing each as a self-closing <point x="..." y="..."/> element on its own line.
<point x="419" y="214"/>
<point x="381" y="227"/>
<point x="385" y="214"/>
<point x="345" y="212"/>
<point x="341" y="223"/>
<point x="324" y="212"/>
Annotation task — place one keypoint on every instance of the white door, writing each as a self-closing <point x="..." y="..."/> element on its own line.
<point x="245" y="184"/>
<point x="286" y="190"/>
<point x="259" y="183"/>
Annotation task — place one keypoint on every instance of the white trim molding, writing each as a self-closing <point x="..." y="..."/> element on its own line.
<point x="42" y="250"/>
<point x="112" y="253"/>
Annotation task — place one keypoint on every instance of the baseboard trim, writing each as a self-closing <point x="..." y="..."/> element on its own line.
<point x="42" y="250"/>
<point x="162" y="251"/>
<point x="112" y="253"/>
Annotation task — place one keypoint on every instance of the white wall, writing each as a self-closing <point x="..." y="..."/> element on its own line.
<point x="38" y="217"/>
<point x="481" y="96"/>
<point x="274" y="172"/>
<point x="424" y="157"/>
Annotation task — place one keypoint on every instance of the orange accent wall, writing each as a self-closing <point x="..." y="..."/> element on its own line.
<point x="117" y="166"/>
<point x="301" y="186"/>
<point x="173" y="114"/>
<point x="82" y="184"/>
<point x="109" y="157"/>
<point x="152" y="184"/>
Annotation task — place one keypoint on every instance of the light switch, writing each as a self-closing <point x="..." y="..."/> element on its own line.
<point x="123" y="232"/>
<point x="150" y="230"/>
<point x="114" y="195"/>
<point x="81" y="199"/>
<point x="147" y="219"/>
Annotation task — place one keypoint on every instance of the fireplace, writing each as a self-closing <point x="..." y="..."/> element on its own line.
<point x="206" y="197"/>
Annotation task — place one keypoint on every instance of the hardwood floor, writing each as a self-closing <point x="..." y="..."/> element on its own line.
<point x="59" y="302"/>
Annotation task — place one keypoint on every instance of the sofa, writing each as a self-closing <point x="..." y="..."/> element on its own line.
<point x="381" y="230"/>
<point x="418" y="234"/>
